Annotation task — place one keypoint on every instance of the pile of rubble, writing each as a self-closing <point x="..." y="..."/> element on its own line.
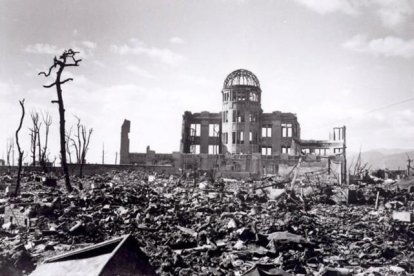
<point x="228" y="227"/>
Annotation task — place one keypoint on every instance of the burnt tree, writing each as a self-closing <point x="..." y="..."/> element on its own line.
<point x="20" y="161"/>
<point x="67" y="59"/>
<point x="10" y="145"/>
<point x="47" y="120"/>
<point x="68" y="138"/>
<point x="34" y="135"/>
<point x="81" y="144"/>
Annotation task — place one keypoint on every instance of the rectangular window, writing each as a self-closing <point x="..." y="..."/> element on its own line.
<point x="338" y="134"/>
<point x="213" y="149"/>
<point x="195" y="149"/>
<point x="234" y="116"/>
<point x="253" y="97"/>
<point x="305" y="151"/>
<point x="240" y="116"/>
<point x="252" y="117"/>
<point x="233" y="137"/>
<point x="250" y="137"/>
<point x="195" y="130"/>
<point x="320" y="151"/>
<point x="266" y="150"/>
<point x="267" y="131"/>
<point x="226" y="96"/>
<point x="213" y="130"/>
<point x="337" y="150"/>
<point x="285" y="150"/>
<point x="286" y="130"/>
<point x="225" y="138"/>
<point x="241" y="138"/>
<point x="225" y="116"/>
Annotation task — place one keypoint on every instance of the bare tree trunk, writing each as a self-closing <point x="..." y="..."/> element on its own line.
<point x="68" y="140"/>
<point x="9" y="149"/>
<point x="47" y="120"/>
<point x="39" y="146"/>
<point x="16" y="191"/>
<point x="34" y="135"/>
<point x="81" y="145"/>
<point x="62" y="132"/>
<point x="65" y="60"/>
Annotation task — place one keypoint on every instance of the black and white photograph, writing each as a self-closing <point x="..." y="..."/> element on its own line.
<point x="206" y="137"/>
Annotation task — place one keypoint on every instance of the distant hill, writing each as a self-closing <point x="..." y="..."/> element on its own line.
<point x="392" y="159"/>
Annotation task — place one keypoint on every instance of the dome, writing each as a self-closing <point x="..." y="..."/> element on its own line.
<point x="241" y="77"/>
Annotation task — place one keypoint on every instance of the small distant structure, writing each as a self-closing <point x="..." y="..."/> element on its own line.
<point x="19" y="214"/>
<point x="119" y="256"/>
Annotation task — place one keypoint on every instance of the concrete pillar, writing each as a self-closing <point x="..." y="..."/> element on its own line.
<point x="204" y="127"/>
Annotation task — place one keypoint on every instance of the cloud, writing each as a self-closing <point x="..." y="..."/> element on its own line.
<point x="389" y="46"/>
<point x="136" y="47"/>
<point x="85" y="48"/>
<point x="329" y="6"/>
<point x="392" y="13"/>
<point x="89" y="44"/>
<point x="139" y="71"/>
<point x="43" y="48"/>
<point x="177" y="40"/>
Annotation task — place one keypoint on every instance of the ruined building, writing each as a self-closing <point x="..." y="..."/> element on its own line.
<point x="241" y="138"/>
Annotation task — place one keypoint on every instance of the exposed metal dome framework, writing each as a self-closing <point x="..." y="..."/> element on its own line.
<point x="241" y="77"/>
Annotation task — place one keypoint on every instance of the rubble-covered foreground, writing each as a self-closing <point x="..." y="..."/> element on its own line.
<point x="200" y="228"/>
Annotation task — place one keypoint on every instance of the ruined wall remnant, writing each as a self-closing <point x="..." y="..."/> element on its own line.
<point x="124" y="151"/>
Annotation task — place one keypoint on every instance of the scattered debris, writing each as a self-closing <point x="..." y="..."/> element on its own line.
<point x="269" y="227"/>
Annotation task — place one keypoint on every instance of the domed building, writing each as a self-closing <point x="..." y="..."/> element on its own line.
<point x="241" y="140"/>
<point x="241" y="127"/>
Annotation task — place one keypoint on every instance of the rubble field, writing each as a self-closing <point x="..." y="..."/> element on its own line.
<point x="229" y="227"/>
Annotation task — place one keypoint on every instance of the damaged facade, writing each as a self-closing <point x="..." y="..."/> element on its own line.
<point x="241" y="138"/>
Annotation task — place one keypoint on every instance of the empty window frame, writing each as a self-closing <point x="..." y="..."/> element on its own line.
<point x="240" y="116"/>
<point x="338" y="134"/>
<point x="226" y="96"/>
<point x="253" y="117"/>
<point x="213" y="130"/>
<point x="225" y="138"/>
<point x="241" y="96"/>
<point x="305" y="151"/>
<point x="253" y="97"/>
<point x="195" y="130"/>
<point x="195" y="149"/>
<point x="267" y="131"/>
<point x="286" y="130"/>
<point x="285" y="150"/>
<point x="266" y="150"/>
<point x="320" y="151"/>
<point x="240" y="138"/>
<point x="213" y="149"/>
<point x="225" y="116"/>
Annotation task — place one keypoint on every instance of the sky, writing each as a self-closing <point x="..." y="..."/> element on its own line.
<point x="332" y="62"/>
